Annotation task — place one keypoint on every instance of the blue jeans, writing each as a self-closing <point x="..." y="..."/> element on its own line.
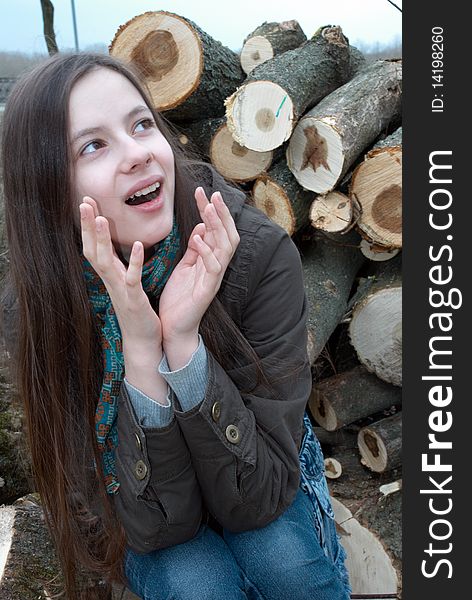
<point x="298" y="556"/>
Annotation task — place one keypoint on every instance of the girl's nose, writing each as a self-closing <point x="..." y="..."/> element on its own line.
<point x="135" y="155"/>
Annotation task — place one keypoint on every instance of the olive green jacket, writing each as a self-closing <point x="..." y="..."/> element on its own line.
<point x="233" y="458"/>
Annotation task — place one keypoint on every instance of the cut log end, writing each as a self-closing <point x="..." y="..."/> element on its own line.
<point x="255" y="51"/>
<point x="234" y="161"/>
<point x="380" y="443"/>
<point x="372" y="450"/>
<point x="371" y="570"/>
<point x="331" y="213"/>
<point x="271" y="199"/>
<point x="167" y="52"/>
<point x="376" y="252"/>
<point x="376" y="333"/>
<point x="322" y="410"/>
<point x="260" y="115"/>
<point x="315" y="154"/>
<point x="333" y="468"/>
<point x="377" y="186"/>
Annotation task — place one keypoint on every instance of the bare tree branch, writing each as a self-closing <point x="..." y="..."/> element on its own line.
<point x="393" y="4"/>
<point x="48" y="21"/>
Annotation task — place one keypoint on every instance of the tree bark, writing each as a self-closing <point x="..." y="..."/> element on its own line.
<point x="261" y="114"/>
<point x="329" y="269"/>
<point x="330" y="137"/>
<point x="47" y="8"/>
<point x="269" y="40"/>
<point x="15" y="467"/>
<point x="380" y="444"/>
<point x="342" y="399"/>
<point x="32" y="570"/>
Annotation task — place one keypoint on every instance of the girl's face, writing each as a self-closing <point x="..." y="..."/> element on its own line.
<point x="117" y="151"/>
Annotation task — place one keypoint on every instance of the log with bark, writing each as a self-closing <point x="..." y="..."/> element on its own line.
<point x="376" y="185"/>
<point x="269" y="40"/>
<point x="372" y="570"/>
<point x="380" y="444"/>
<point x="185" y="69"/>
<point x="377" y="252"/>
<point x="358" y="489"/>
<point x="15" y="465"/>
<point x="329" y="269"/>
<point x="333" y="212"/>
<point x="329" y="137"/>
<point x="279" y="195"/>
<point x="344" y="398"/>
<point x="333" y="468"/>
<point x="212" y="138"/>
<point x="261" y="114"/>
<point x="29" y="568"/>
<point x="375" y="328"/>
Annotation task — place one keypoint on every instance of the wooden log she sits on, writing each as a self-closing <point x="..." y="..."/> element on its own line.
<point x="380" y="444"/>
<point x="180" y="63"/>
<point x="344" y="398"/>
<point x="332" y="135"/>
<point x="269" y="40"/>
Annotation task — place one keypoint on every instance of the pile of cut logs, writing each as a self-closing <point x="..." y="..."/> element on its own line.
<point x="312" y="131"/>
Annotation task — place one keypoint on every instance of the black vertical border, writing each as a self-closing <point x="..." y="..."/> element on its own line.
<point x="424" y="132"/>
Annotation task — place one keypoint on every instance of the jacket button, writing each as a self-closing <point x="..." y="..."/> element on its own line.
<point x="140" y="470"/>
<point x="216" y="411"/>
<point x="138" y="441"/>
<point x="232" y="434"/>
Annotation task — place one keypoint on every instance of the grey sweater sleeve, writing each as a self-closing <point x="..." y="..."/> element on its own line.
<point x="188" y="384"/>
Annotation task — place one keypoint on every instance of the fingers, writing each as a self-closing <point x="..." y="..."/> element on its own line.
<point x="212" y="264"/>
<point x="134" y="272"/>
<point x="91" y="202"/>
<point x="226" y="219"/>
<point x="221" y="229"/>
<point x="96" y="238"/>
<point x="104" y="246"/>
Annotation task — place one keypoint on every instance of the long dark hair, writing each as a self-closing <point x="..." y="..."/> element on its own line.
<point x="56" y="363"/>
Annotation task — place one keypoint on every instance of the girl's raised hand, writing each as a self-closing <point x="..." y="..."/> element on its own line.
<point x="197" y="277"/>
<point x="138" y="321"/>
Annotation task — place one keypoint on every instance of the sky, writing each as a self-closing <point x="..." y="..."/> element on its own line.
<point x="363" y="21"/>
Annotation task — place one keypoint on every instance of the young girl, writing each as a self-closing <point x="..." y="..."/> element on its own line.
<point x="156" y="324"/>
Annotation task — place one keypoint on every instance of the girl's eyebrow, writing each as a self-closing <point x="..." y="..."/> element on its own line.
<point x="93" y="130"/>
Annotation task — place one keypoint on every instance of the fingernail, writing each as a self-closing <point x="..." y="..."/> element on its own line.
<point x="82" y="212"/>
<point x="99" y="225"/>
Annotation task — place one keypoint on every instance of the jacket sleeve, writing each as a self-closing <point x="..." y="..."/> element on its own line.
<point x="158" y="502"/>
<point x="244" y="446"/>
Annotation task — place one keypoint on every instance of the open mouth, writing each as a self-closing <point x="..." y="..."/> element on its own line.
<point x="143" y="196"/>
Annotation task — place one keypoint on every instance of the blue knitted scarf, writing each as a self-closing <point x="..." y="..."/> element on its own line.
<point x="155" y="274"/>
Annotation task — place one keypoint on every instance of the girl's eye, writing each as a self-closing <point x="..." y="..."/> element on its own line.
<point x="91" y="147"/>
<point x="144" y="124"/>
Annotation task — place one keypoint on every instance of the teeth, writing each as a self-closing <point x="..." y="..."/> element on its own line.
<point x="147" y="190"/>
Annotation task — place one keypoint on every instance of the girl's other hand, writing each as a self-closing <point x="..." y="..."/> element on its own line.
<point x="138" y="321"/>
<point x="196" y="279"/>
